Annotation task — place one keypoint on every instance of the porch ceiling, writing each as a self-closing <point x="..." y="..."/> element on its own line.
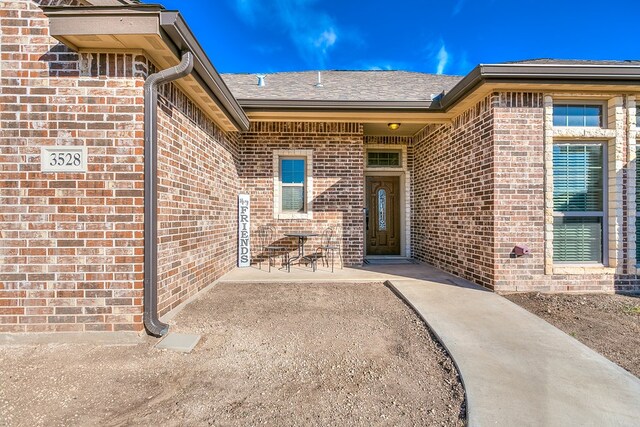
<point x="160" y="34"/>
<point x="381" y="129"/>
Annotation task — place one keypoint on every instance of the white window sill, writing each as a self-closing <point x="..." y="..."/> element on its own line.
<point x="294" y="215"/>
<point x="583" y="132"/>
<point x="583" y="269"/>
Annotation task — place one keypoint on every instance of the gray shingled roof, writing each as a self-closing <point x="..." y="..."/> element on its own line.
<point x="110" y="2"/>
<point x="342" y="86"/>
<point x="551" y="61"/>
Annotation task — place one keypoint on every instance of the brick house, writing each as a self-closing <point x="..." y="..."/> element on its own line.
<point x="537" y="154"/>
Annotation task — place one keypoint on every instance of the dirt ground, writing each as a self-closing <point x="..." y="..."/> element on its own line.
<point x="270" y="355"/>
<point x="609" y="324"/>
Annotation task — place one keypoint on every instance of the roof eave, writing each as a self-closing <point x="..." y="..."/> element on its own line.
<point x="170" y="27"/>
<point x="181" y="36"/>
<point x="333" y="105"/>
<point x="543" y="74"/>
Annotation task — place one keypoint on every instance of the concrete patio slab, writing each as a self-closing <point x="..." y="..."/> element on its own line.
<point x="182" y="343"/>
<point x="517" y="369"/>
<point x="301" y="274"/>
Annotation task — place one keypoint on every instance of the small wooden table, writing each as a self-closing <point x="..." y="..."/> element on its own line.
<point x="302" y="238"/>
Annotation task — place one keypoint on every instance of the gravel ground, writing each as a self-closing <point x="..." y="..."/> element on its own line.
<point x="609" y="324"/>
<point x="270" y="354"/>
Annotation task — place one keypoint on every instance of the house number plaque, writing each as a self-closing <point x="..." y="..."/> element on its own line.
<point x="63" y="159"/>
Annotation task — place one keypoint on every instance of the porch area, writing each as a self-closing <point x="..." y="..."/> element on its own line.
<point x="516" y="368"/>
<point x="365" y="274"/>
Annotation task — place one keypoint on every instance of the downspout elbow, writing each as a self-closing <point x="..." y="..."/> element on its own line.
<point x="152" y="323"/>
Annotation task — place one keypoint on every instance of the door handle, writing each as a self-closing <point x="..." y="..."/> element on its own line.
<point x="366" y="217"/>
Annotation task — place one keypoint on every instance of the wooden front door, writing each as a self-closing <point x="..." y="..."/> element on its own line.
<point x="383" y="225"/>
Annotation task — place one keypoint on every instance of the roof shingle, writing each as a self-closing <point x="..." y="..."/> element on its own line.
<point x="341" y="86"/>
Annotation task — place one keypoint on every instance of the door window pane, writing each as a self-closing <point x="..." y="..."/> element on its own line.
<point x="382" y="209"/>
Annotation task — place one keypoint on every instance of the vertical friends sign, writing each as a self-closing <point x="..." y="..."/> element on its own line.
<point x="244" y="235"/>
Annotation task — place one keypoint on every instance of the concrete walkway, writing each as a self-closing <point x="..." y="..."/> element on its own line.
<point x="517" y="369"/>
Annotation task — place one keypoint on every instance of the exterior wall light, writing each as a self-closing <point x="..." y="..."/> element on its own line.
<point x="393" y="126"/>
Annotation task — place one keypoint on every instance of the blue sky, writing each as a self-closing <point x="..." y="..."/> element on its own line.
<point x="433" y="36"/>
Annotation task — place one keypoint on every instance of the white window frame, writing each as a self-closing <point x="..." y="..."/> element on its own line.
<point x="604" y="120"/>
<point x="602" y="214"/>
<point x="307" y="156"/>
<point x="293" y="184"/>
<point x="400" y="153"/>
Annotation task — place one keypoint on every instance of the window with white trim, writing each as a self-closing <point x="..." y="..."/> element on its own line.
<point x="384" y="159"/>
<point x="292" y="184"/>
<point x="570" y="114"/>
<point x="579" y="231"/>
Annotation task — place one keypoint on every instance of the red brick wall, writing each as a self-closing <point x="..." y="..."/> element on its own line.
<point x="519" y="189"/>
<point x="452" y="215"/>
<point x="198" y="189"/>
<point x="519" y="204"/>
<point x="337" y="177"/>
<point x="479" y="191"/>
<point x="71" y="243"/>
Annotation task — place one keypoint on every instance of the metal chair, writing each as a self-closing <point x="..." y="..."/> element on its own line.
<point x="266" y="234"/>
<point x="330" y="243"/>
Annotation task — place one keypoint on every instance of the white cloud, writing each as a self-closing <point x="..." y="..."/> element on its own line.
<point x="326" y="40"/>
<point x="438" y="57"/>
<point x="443" y="59"/>
<point x="312" y="31"/>
<point x="457" y="8"/>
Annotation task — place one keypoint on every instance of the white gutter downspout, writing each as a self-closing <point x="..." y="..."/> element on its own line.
<point x="152" y="323"/>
